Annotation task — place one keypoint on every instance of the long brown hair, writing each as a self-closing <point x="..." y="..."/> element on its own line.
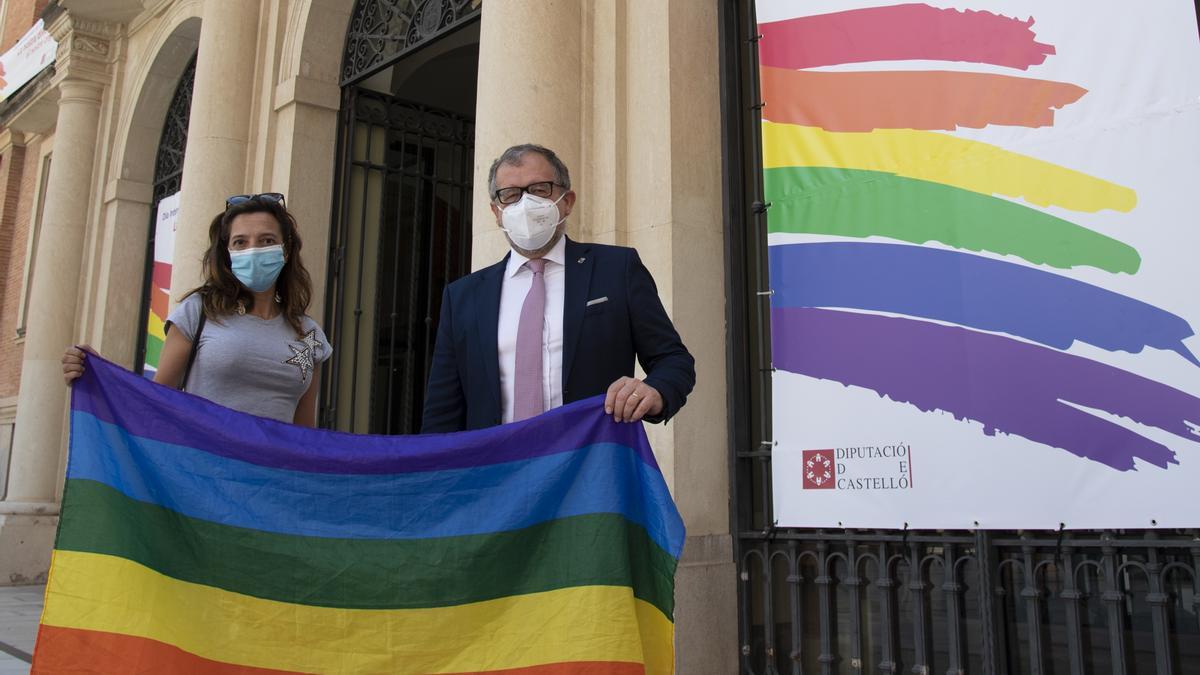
<point x="221" y="292"/>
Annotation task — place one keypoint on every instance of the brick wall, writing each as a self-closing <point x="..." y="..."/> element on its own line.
<point x="21" y="14"/>
<point x="18" y="178"/>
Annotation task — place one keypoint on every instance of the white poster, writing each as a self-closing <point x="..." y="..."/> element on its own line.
<point x="983" y="242"/>
<point x="159" y="300"/>
<point x="32" y="53"/>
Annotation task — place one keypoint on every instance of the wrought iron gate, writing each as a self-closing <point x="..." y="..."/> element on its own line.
<point x="402" y="232"/>
<point x="846" y="601"/>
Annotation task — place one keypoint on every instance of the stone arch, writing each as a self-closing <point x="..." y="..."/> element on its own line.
<point x="307" y="97"/>
<point x="173" y="46"/>
<point x="125" y="215"/>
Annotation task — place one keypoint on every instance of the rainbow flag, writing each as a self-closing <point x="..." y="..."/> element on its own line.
<point x="198" y="539"/>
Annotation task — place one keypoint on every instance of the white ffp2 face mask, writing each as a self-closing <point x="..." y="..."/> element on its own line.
<point x="530" y="222"/>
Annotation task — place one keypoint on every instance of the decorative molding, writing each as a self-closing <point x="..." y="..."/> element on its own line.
<point x="85" y="43"/>
<point x="129" y="191"/>
<point x="10" y="138"/>
<point x="100" y="29"/>
<point x="84" y="48"/>
<point x="8" y="410"/>
<point x="307" y="91"/>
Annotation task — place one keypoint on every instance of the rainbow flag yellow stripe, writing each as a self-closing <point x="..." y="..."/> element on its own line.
<point x="113" y="595"/>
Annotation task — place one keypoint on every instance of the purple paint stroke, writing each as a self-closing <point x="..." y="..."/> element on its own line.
<point x="1009" y="386"/>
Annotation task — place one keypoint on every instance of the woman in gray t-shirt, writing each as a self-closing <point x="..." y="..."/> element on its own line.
<point x="258" y="351"/>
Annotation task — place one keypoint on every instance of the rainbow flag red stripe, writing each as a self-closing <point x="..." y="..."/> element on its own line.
<point x="197" y="539"/>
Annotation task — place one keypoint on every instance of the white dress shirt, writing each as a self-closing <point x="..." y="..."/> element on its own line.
<point x="517" y="280"/>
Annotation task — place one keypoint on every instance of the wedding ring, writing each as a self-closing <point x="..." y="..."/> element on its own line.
<point x="634" y="395"/>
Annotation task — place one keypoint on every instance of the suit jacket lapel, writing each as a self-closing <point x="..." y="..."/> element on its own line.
<point x="579" y="280"/>
<point x="487" y="321"/>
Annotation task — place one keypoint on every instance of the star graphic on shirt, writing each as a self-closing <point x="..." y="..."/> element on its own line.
<point x="310" y="340"/>
<point x="302" y="358"/>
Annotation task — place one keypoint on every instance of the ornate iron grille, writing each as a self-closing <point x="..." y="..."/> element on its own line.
<point x="168" y="164"/>
<point x="402" y="233"/>
<point x="844" y="601"/>
<point x="168" y="177"/>
<point x="382" y="31"/>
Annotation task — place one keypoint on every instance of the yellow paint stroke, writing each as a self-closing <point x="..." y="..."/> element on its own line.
<point x="942" y="158"/>
<point x="97" y="592"/>
<point x="156" y="327"/>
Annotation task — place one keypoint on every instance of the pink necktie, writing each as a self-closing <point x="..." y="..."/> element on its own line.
<point x="527" y="390"/>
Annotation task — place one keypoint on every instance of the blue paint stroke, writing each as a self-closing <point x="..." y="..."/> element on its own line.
<point x="971" y="290"/>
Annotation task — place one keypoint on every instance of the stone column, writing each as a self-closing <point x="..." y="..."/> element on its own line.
<point x="214" y="166"/>
<point x="27" y="519"/>
<point x="529" y="92"/>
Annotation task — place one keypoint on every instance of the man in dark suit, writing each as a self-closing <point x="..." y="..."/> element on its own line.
<point x="555" y="321"/>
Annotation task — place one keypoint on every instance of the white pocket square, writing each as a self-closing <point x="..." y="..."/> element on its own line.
<point x="597" y="301"/>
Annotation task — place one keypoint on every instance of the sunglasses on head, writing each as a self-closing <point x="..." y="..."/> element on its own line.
<point x="264" y="197"/>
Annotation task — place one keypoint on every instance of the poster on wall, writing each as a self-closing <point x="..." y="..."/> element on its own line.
<point x="32" y="53"/>
<point x="159" y="298"/>
<point x="982" y="244"/>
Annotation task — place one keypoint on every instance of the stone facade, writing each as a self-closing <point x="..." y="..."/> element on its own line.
<point x="627" y="92"/>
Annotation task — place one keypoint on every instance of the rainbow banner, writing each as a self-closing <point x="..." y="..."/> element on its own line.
<point x="198" y="539"/>
<point x="982" y="256"/>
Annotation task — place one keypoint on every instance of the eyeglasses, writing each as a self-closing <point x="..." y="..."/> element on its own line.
<point x="510" y="195"/>
<point x="264" y="197"/>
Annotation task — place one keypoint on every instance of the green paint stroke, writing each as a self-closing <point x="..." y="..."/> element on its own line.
<point x="856" y="203"/>
<point x="153" y="350"/>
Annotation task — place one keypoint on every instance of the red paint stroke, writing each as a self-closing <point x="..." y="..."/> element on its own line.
<point x="930" y="100"/>
<point x="161" y="276"/>
<point x="899" y="33"/>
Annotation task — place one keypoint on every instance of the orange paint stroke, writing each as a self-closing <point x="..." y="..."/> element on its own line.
<point x="926" y="100"/>
<point x="159" y="303"/>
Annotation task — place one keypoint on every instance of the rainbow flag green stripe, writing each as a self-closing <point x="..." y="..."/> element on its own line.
<point x="595" y="549"/>
<point x="197" y="538"/>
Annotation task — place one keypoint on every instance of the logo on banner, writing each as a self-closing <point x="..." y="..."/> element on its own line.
<point x="820" y="471"/>
<point x="870" y="467"/>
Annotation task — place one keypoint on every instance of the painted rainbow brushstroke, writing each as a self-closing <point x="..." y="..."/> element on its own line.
<point x="197" y="539"/>
<point x="946" y="100"/>
<point x="912" y="31"/>
<point x="156" y="318"/>
<point x="858" y="154"/>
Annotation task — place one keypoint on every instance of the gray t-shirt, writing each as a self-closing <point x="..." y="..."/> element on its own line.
<point x="254" y="365"/>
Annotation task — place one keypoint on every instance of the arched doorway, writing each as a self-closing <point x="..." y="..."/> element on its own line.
<point x="402" y="211"/>
<point x="168" y="177"/>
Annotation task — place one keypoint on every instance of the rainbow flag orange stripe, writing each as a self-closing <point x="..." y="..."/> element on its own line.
<point x="197" y="539"/>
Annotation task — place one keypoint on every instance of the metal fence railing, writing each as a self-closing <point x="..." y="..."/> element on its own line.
<point x="983" y="602"/>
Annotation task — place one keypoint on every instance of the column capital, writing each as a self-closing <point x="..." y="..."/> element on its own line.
<point x="10" y="138"/>
<point x="84" y="48"/>
<point x="79" y="90"/>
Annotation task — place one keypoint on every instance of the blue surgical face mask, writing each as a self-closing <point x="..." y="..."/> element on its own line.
<point x="257" y="268"/>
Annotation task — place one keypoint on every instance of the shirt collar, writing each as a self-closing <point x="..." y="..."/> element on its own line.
<point x="558" y="255"/>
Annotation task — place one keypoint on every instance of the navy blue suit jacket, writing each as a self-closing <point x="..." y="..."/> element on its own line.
<point x="600" y="341"/>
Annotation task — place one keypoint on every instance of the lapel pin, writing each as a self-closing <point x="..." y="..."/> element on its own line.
<point x="581" y="260"/>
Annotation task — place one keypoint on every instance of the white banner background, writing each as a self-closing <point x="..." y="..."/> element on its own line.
<point x="1138" y="126"/>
